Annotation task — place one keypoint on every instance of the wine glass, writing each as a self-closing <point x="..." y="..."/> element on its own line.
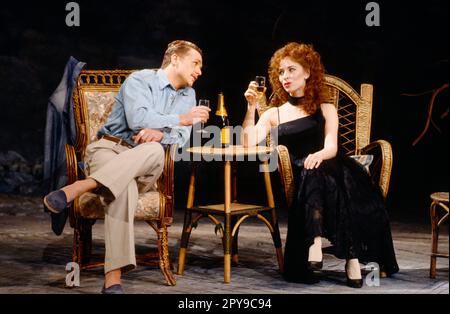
<point x="203" y="102"/>
<point x="261" y="88"/>
<point x="261" y="82"/>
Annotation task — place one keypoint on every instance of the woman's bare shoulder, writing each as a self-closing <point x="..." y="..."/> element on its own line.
<point x="328" y="107"/>
<point x="272" y="113"/>
<point x="329" y="111"/>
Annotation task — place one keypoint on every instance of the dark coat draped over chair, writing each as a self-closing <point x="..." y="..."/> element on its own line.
<point x="60" y="130"/>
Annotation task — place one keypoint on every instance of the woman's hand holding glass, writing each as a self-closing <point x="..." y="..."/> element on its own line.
<point x="251" y="94"/>
<point x="255" y="92"/>
<point x="261" y="89"/>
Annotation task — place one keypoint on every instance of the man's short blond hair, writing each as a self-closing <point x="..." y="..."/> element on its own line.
<point x="179" y="47"/>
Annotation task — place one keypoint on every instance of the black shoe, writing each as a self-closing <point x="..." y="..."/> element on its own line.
<point x="114" y="289"/>
<point x="56" y="201"/>
<point x="353" y="283"/>
<point x="312" y="265"/>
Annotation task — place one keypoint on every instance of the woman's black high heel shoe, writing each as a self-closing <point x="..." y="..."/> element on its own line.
<point x="353" y="283"/>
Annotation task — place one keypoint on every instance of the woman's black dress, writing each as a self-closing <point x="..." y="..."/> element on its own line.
<point x="337" y="201"/>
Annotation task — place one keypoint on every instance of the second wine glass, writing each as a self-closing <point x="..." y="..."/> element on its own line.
<point x="205" y="103"/>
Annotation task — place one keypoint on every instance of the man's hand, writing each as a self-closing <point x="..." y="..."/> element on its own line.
<point x="148" y="135"/>
<point x="198" y="113"/>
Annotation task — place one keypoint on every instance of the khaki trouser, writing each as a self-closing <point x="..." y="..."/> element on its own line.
<point x="126" y="173"/>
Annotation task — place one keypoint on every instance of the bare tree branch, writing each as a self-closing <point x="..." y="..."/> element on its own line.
<point x="418" y="94"/>
<point x="430" y="111"/>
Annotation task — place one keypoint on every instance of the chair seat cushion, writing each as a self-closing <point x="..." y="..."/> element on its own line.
<point x="91" y="206"/>
<point x="363" y="160"/>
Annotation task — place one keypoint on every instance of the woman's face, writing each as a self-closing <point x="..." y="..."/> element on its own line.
<point x="292" y="76"/>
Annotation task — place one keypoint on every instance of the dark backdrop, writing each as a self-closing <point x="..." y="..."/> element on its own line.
<point x="408" y="53"/>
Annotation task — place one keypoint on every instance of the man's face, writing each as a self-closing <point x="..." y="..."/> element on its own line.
<point x="190" y="67"/>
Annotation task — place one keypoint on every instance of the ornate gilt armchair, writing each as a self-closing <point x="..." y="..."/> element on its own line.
<point x="94" y="97"/>
<point x="355" y="116"/>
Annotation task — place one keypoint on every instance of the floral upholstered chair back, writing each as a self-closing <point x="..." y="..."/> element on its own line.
<point x="99" y="107"/>
<point x="97" y="92"/>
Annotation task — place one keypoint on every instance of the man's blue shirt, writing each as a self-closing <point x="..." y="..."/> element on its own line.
<point x="147" y="100"/>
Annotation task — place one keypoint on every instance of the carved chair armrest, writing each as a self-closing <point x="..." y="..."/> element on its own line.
<point x="166" y="184"/>
<point x="72" y="176"/>
<point x="286" y="175"/>
<point x="71" y="164"/>
<point x="382" y="166"/>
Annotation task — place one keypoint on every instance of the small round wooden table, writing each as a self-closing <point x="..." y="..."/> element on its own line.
<point x="233" y="213"/>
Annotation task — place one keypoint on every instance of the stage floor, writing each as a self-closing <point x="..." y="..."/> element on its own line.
<point x="33" y="259"/>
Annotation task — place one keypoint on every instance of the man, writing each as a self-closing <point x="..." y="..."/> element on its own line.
<point x="152" y="108"/>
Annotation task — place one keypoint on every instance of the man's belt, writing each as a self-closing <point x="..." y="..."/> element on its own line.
<point x="117" y="140"/>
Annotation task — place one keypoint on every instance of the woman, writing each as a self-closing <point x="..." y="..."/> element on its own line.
<point x="335" y="198"/>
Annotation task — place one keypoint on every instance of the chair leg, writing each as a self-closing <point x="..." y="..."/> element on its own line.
<point x="76" y="248"/>
<point x="186" y="233"/>
<point x="274" y="220"/>
<point x="187" y="224"/>
<point x="87" y="240"/>
<point x="277" y="240"/>
<point x="234" y="244"/>
<point x="82" y="242"/>
<point x="434" y="239"/>
<point x="164" y="260"/>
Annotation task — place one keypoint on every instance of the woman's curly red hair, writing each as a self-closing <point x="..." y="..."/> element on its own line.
<point x="309" y="59"/>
